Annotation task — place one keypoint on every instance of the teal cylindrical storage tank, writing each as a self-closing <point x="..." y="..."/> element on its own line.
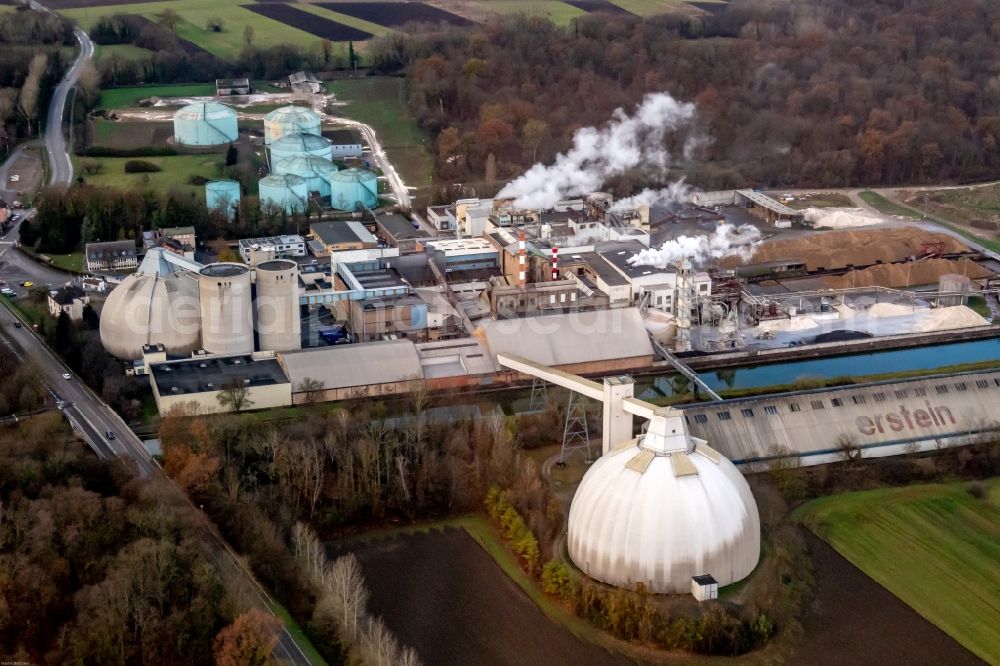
<point x="314" y="170"/>
<point x="223" y="195"/>
<point x="205" y="124"/>
<point x="351" y="189"/>
<point x="286" y="192"/>
<point x="294" y="145"/>
<point x="290" y="120"/>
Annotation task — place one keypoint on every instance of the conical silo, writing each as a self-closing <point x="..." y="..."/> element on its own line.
<point x="222" y="195"/>
<point x="289" y="120"/>
<point x="314" y="170"/>
<point x="288" y="193"/>
<point x="294" y="145"/>
<point x="352" y="189"/>
<point x="226" y="318"/>
<point x="276" y="306"/>
<point x="205" y="124"/>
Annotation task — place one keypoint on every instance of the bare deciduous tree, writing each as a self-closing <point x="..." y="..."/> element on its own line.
<point x="235" y="397"/>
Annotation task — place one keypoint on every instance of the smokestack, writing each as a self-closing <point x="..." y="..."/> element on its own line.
<point x="555" y="263"/>
<point x="522" y="258"/>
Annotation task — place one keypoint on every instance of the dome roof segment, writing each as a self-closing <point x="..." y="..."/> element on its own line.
<point x="205" y="111"/>
<point x="662" y="512"/>
<point x="306" y="166"/>
<point x="302" y="142"/>
<point x="297" y="115"/>
<point x="149" y="308"/>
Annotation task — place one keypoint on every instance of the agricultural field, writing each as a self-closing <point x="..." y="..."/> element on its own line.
<point x="195" y="15"/>
<point x="443" y="595"/>
<point x="305" y="23"/>
<point x="398" y="15"/>
<point x="174" y="174"/>
<point x="381" y="103"/>
<point x="122" y="98"/>
<point x="934" y="546"/>
<point x="322" y="27"/>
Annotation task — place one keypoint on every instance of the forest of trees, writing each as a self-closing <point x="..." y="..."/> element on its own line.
<point x="30" y="66"/>
<point x="809" y="93"/>
<point x="21" y="389"/>
<point x="94" y="570"/>
<point x="85" y="213"/>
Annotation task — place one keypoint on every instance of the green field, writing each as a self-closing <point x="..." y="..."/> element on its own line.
<point x="196" y="13"/>
<point x="934" y="546"/>
<point x="176" y="171"/>
<point x="126" y="51"/>
<point x="886" y="207"/>
<point x="120" y="98"/>
<point x="558" y="12"/>
<point x="381" y="103"/>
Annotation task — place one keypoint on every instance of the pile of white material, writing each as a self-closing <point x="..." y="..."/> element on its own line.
<point x="789" y="325"/>
<point x="944" y="319"/>
<point x="890" y="310"/>
<point x="846" y="311"/>
<point x="839" y="218"/>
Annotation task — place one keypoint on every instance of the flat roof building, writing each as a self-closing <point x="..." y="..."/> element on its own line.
<point x="399" y="232"/>
<point x="196" y="383"/>
<point x="337" y="236"/>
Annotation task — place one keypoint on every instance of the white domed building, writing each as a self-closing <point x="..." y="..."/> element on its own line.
<point x="661" y="509"/>
<point x="159" y="303"/>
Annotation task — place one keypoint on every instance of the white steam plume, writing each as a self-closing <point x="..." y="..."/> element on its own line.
<point x="599" y="154"/>
<point x="725" y="241"/>
<point x="674" y="192"/>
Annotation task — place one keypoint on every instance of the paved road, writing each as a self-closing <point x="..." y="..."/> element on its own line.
<point x="378" y="155"/>
<point x="16" y="267"/>
<point x="55" y="142"/>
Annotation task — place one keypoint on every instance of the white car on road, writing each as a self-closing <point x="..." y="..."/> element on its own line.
<point x="66" y="375"/>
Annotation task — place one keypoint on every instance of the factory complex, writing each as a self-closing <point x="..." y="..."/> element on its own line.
<point x="589" y="293"/>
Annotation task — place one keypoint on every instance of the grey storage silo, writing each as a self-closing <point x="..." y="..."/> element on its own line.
<point x="276" y="306"/>
<point x="222" y="195"/>
<point x="352" y="189"/>
<point x="226" y="317"/>
<point x="290" y="120"/>
<point x="205" y="124"/>
<point x="287" y="193"/>
<point x="294" y="145"/>
<point x="314" y="170"/>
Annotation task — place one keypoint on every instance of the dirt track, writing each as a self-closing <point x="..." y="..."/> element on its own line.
<point x="442" y="595"/>
<point x="854" y="620"/>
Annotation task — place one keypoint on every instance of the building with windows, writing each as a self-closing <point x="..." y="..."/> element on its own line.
<point x="256" y="250"/>
<point x="70" y="300"/>
<point x="111" y="256"/>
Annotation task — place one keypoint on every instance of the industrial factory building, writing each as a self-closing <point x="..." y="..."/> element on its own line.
<point x="596" y="342"/>
<point x="876" y="419"/>
<point x="195" y="384"/>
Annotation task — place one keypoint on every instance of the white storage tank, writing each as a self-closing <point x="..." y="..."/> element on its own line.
<point x="286" y="192"/>
<point x="205" y="124"/>
<point x="352" y="189"/>
<point x="316" y="171"/>
<point x="290" y="120"/>
<point x="276" y="305"/>
<point x="226" y="318"/>
<point x="222" y="195"/>
<point x="297" y="144"/>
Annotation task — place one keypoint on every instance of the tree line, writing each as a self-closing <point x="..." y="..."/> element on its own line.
<point x="172" y="60"/>
<point x="86" y="213"/>
<point x="96" y="570"/>
<point x="31" y="65"/>
<point x="831" y="93"/>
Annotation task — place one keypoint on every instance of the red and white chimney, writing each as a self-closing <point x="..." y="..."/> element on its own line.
<point x="522" y="259"/>
<point x="555" y="263"/>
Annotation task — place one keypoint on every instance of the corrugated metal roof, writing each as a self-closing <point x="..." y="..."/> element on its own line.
<point x="355" y="365"/>
<point x="576" y="337"/>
